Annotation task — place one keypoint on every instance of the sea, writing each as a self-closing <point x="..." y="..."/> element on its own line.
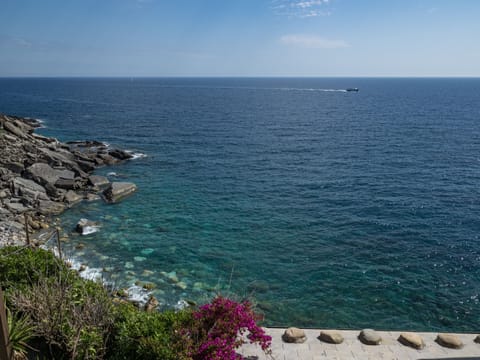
<point x="327" y="208"/>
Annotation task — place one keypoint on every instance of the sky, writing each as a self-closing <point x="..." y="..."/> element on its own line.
<point x="239" y="38"/>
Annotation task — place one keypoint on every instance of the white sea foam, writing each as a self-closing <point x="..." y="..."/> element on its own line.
<point x="138" y="294"/>
<point x="181" y="304"/>
<point x="41" y="122"/>
<point x="88" y="273"/>
<point x="136" y="155"/>
<point x="311" y="89"/>
<point x="87" y="230"/>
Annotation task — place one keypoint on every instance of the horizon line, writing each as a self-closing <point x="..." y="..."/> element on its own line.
<point x="239" y="77"/>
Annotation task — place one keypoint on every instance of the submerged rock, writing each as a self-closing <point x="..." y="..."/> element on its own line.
<point x="182" y="285"/>
<point x="119" y="190"/>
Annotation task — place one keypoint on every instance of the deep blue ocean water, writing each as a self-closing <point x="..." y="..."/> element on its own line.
<point x="330" y="208"/>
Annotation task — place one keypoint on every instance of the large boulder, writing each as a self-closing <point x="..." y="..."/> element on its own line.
<point x="28" y="189"/>
<point x="67" y="184"/>
<point x="47" y="207"/>
<point x="118" y="190"/>
<point x="107" y="159"/>
<point x="11" y="128"/>
<point x="16" y="207"/>
<point x="45" y="174"/>
<point x="98" y="181"/>
<point x="72" y="198"/>
<point x="87" y="166"/>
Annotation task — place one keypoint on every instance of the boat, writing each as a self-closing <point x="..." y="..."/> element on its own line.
<point x="351" y="89"/>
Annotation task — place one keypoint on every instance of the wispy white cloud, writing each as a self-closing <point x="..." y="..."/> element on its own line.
<point x="312" y="42"/>
<point x="23" y="42"/>
<point x="302" y="8"/>
<point x="15" y="41"/>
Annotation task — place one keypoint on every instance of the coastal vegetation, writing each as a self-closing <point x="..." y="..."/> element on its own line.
<point x="57" y="314"/>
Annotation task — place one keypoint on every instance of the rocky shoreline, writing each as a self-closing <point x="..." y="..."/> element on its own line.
<point x="42" y="177"/>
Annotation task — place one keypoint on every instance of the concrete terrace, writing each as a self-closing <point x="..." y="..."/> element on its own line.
<point x="352" y="348"/>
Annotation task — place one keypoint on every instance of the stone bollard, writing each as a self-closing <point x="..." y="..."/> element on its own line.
<point x="294" y="335"/>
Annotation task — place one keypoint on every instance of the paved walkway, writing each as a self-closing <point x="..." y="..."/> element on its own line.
<point x="352" y="348"/>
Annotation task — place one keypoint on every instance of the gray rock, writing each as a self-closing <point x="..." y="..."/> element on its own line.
<point x="10" y="127"/>
<point x="58" y="157"/>
<point x="152" y="304"/>
<point x="16" y="207"/>
<point x="67" y="184"/>
<point x="45" y="174"/>
<point x="44" y="138"/>
<point x="370" y="337"/>
<point x="449" y="340"/>
<point x="86" y="166"/>
<point x="98" y="181"/>
<point x="108" y="159"/>
<point x="120" y="154"/>
<point x="118" y="190"/>
<point x="71" y="197"/>
<point x="411" y="339"/>
<point x="4" y="194"/>
<point x="28" y="189"/>
<point x="331" y="336"/>
<point x="86" y="227"/>
<point x="92" y="197"/>
<point x="294" y="335"/>
<point x="16" y="167"/>
<point x="23" y="125"/>
<point x="47" y="207"/>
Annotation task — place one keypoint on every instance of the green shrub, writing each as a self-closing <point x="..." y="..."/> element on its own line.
<point x="21" y="267"/>
<point x="149" y="335"/>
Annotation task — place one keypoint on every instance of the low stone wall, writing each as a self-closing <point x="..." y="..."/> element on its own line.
<point x="312" y="345"/>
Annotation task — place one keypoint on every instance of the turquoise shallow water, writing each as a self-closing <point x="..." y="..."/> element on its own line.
<point x="331" y="209"/>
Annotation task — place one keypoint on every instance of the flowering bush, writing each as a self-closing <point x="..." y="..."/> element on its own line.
<point x="221" y="327"/>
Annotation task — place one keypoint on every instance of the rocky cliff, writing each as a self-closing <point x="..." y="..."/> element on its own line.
<point x="42" y="177"/>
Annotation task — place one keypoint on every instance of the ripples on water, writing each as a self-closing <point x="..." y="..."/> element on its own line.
<point x="333" y="209"/>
